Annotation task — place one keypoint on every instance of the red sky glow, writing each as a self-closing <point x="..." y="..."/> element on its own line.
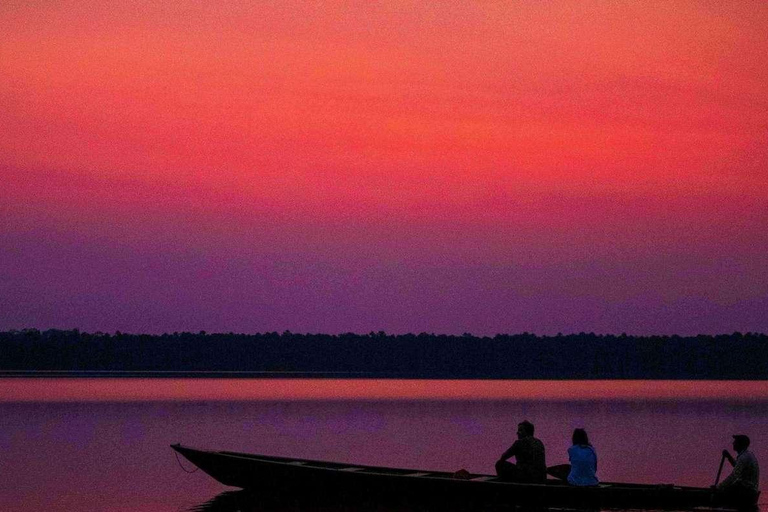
<point x="402" y="166"/>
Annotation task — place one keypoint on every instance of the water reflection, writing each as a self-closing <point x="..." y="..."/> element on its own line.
<point x="247" y="501"/>
<point x="229" y="501"/>
<point x="115" y="455"/>
<point x="81" y="390"/>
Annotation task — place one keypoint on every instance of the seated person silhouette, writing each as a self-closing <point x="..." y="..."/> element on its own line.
<point x="742" y="483"/>
<point x="529" y="457"/>
<point x="583" y="460"/>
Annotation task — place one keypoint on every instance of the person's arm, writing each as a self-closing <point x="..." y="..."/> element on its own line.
<point x="735" y="475"/>
<point x="727" y="483"/>
<point x="729" y="458"/>
<point x="510" y="452"/>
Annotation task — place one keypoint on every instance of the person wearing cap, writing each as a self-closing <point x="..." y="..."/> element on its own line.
<point x="529" y="457"/>
<point x="743" y="480"/>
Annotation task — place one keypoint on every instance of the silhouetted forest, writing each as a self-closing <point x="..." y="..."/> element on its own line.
<point x="519" y="356"/>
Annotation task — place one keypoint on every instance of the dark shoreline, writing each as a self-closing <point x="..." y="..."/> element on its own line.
<point x="585" y="356"/>
<point x="182" y="374"/>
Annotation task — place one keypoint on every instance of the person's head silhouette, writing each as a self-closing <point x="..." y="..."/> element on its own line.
<point x="740" y="443"/>
<point x="580" y="437"/>
<point x="525" y="429"/>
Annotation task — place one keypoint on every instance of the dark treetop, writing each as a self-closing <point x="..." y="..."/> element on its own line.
<point x="519" y="356"/>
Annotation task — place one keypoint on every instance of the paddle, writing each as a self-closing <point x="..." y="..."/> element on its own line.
<point x="720" y="469"/>
<point x="560" y="471"/>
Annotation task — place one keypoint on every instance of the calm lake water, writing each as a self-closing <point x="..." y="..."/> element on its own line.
<point x="103" y="444"/>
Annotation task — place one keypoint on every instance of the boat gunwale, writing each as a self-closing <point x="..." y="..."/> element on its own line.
<point x="317" y="465"/>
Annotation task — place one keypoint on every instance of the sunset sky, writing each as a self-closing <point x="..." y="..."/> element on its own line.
<point x="443" y="167"/>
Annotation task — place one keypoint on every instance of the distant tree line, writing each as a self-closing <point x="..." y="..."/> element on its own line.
<point x="518" y="356"/>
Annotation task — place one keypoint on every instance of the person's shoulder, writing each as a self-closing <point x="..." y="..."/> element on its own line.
<point x="583" y="448"/>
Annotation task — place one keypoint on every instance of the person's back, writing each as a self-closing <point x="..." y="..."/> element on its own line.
<point x="583" y="460"/>
<point x="750" y="471"/>
<point x="583" y="465"/>
<point x="529" y="453"/>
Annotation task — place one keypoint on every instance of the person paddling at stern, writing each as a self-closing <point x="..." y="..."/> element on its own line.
<point x="583" y="460"/>
<point x="742" y="483"/>
<point x="529" y="455"/>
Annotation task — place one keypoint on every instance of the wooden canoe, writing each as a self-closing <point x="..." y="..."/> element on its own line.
<point x="335" y="482"/>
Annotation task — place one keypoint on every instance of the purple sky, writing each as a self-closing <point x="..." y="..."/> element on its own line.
<point x="468" y="167"/>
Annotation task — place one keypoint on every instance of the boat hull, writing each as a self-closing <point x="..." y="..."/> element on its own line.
<point x="319" y="481"/>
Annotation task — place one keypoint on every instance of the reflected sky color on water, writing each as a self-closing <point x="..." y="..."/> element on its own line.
<point x="114" y="456"/>
<point x="133" y="390"/>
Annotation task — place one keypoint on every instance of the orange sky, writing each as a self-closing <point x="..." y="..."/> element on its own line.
<point x="538" y="157"/>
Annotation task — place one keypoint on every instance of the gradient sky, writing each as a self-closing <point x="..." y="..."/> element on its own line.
<point x="457" y="167"/>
